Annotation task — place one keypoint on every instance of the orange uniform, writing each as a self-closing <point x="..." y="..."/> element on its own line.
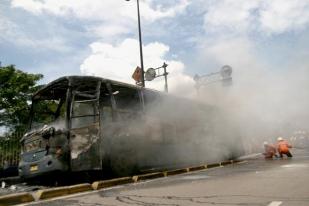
<point x="283" y="148"/>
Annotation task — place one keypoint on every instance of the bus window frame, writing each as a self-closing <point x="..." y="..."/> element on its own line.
<point x="62" y="103"/>
<point x="95" y="100"/>
<point x="115" y="107"/>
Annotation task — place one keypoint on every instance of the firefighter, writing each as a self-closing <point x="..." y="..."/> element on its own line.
<point x="270" y="151"/>
<point x="283" y="147"/>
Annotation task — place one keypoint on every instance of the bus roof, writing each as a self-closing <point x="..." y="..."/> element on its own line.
<point x="76" y="80"/>
<point x="63" y="82"/>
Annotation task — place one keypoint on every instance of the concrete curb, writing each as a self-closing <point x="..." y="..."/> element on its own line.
<point x="213" y="165"/>
<point x="225" y="163"/>
<point x="61" y="191"/>
<point x="197" y="168"/>
<point x="80" y="188"/>
<point x="237" y="161"/>
<point x="14" y="199"/>
<point x="113" y="182"/>
<point x="177" y="172"/>
<point x="50" y="193"/>
<point x="148" y="176"/>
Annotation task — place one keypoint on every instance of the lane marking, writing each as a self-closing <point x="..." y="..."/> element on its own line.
<point x="295" y="166"/>
<point x="275" y="203"/>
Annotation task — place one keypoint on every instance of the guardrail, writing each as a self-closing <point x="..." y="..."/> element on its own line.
<point x="9" y="154"/>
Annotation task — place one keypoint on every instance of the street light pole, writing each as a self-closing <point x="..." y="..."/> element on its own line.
<point x="140" y="43"/>
<point x="165" y="77"/>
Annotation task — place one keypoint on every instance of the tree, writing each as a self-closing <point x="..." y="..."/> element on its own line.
<point x="16" y="88"/>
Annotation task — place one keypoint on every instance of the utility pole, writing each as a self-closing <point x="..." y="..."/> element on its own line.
<point x="140" y="43"/>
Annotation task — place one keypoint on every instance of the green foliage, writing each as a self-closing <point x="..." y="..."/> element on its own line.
<point x="16" y="88"/>
<point x="45" y="111"/>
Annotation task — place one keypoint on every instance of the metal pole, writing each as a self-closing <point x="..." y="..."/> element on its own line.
<point x="140" y="44"/>
<point x="165" y="77"/>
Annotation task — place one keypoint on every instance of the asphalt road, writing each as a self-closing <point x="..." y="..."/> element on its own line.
<point x="257" y="182"/>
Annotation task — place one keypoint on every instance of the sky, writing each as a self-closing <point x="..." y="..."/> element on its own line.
<point x="82" y="37"/>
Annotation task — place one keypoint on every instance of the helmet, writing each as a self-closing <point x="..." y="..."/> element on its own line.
<point x="280" y="139"/>
<point x="265" y="143"/>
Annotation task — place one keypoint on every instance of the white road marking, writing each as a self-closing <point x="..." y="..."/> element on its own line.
<point x="295" y="166"/>
<point x="275" y="203"/>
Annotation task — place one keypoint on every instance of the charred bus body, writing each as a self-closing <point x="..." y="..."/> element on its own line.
<point x="82" y="123"/>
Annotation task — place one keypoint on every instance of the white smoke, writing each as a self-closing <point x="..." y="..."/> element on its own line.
<point x="119" y="62"/>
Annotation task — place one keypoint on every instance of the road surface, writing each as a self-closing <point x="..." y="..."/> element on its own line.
<point x="256" y="182"/>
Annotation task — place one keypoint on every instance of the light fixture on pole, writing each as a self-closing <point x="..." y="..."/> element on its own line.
<point x="153" y="73"/>
<point x="140" y="44"/>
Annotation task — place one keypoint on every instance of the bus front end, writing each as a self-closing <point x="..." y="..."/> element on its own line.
<point x="41" y="154"/>
<point x="45" y="147"/>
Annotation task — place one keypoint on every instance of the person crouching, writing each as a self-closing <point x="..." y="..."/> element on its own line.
<point x="283" y="147"/>
<point x="270" y="151"/>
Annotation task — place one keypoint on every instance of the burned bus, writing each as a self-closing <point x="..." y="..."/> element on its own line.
<point x="85" y="123"/>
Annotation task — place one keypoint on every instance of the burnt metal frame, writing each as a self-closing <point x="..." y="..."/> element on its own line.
<point x="55" y="114"/>
<point x="69" y="99"/>
<point x="70" y="116"/>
